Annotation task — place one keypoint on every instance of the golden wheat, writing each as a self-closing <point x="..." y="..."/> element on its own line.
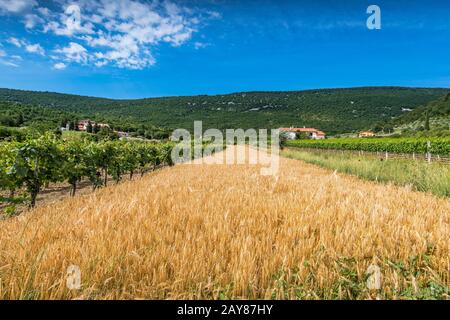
<point x="217" y="231"/>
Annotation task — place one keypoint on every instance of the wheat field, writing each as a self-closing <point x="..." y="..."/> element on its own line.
<point x="225" y="231"/>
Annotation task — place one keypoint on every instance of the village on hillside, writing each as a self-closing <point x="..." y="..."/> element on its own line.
<point x="291" y="133"/>
<point x="90" y="126"/>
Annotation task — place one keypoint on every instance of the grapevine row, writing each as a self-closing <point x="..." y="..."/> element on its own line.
<point x="35" y="163"/>
<point x="438" y="146"/>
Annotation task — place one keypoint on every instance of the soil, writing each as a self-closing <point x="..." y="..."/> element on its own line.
<point x="54" y="192"/>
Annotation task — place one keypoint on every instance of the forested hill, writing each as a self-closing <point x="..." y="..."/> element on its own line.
<point x="435" y="109"/>
<point x="332" y="110"/>
<point x="432" y="119"/>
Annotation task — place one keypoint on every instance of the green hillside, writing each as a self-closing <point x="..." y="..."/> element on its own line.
<point x="331" y="110"/>
<point x="433" y="117"/>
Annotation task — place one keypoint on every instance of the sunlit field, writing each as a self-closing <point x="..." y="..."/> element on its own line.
<point x="225" y="231"/>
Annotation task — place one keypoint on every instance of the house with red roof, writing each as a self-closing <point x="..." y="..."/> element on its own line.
<point x="312" y="133"/>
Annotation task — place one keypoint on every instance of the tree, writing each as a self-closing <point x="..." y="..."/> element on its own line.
<point x="71" y="125"/>
<point x="19" y="120"/>
<point x="427" y="121"/>
<point x="378" y="127"/>
<point x="58" y="132"/>
<point x="130" y="157"/>
<point x="388" y="128"/>
<point x="93" y="162"/>
<point x="38" y="162"/>
<point x="9" y="178"/>
<point x="283" y="140"/>
<point x="74" y="168"/>
<point x="63" y="123"/>
<point x="106" y="153"/>
<point x="162" y="154"/>
<point x="89" y="128"/>
<point x="106" y="133"/>
<point x="302" y="136"/>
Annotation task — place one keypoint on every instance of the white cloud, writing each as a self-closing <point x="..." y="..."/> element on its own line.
<point x="17" y="42"/>
<point x="121" y="33"/>
<point x="100" y="64"/>
<point x="214" y="14"/>
<point x="124" y="31"/>
<point x="17" y="6"/>
<point x="24" y="8"/>
<point x="6" y="62"/>
<point x="32" y="20"/>
<point x="44" y="11"/>
<point x="9" y="63"/>
<point x="60" y="28"/>
<point x="35" y="48"/>
<point x="74" y="52"/>
<point x="59" y="66"/>
<point x="31" y="48"/>
<point x="200" y="45"/>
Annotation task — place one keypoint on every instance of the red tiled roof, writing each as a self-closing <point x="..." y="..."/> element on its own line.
<point x="298" y="129"/>
<point x="302" y="130"/>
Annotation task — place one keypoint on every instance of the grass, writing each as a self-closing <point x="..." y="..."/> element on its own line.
<point x="75" y="135"/>
<point x="419" y="175"/>
<point x="225" y="231"/>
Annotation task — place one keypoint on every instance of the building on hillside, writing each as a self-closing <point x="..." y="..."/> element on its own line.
<point x="312" y="133"/>
<point x="122" y="134"/>
<point x="83" y="125"/>
<point x="366" y="134"/>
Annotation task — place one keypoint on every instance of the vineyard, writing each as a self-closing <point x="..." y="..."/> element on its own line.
<point x="437" y="146"/>
<point x="35" y="163"/>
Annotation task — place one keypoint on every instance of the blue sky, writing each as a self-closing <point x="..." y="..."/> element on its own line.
<point x="137" y="48"/>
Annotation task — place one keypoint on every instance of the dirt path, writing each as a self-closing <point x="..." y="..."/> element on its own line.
<point x="56" y="192"/>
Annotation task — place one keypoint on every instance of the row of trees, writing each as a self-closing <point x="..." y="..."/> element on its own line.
<point x="44" y="118"/>
<point x="34" y="163"/>
<point x="140" y="131"/>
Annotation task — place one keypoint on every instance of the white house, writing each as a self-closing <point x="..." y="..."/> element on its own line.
<point x="312" y="133"/>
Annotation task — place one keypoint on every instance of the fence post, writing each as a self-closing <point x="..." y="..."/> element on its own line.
<point x="387" y="155"/>
<point x="429" y="152"/>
